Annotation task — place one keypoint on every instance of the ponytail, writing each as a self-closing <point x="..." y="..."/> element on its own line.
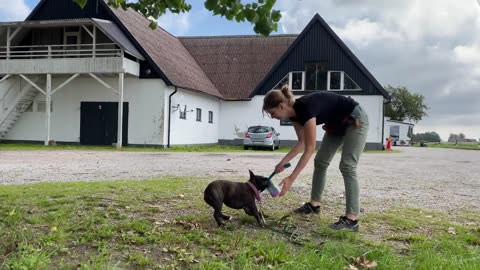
<point x="276" y="96"/>
<point x="287" y="94"/>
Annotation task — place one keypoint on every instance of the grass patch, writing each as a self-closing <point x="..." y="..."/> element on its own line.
<point x="466" y="146"/>
<point x="186" y="148"/>
<point x="164" y="224"/>
<point x="192" y="148"/>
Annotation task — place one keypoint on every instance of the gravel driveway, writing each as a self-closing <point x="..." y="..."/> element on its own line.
<point x="437" y="179"/>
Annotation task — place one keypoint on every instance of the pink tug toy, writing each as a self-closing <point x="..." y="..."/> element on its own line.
<point x="272" y="188"/>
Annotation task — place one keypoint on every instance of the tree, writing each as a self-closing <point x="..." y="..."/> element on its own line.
<point x="405" y="105"/>
<point x="457" y="138"/>
<point x="259" y="13"/>
<point x="431" y="136"/>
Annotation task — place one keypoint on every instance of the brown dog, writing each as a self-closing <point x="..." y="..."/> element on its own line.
<point x="236" y="195"/>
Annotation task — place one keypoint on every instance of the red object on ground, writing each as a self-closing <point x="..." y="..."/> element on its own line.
<point x="389" y="144"/>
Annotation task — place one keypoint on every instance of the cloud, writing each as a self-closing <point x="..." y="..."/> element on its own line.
<point x="363" y="32"/>
<point x="432" y="47"/>
<point x="176" y="24"/>
<point x="13" y="10"/>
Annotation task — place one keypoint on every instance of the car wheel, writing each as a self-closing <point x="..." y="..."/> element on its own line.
<point x="245" y="147"/>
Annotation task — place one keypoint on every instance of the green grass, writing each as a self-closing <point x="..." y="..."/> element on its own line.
<point x="164" y="224"/>
<point x="192" y="148"/>
<point x="466" y="146"/>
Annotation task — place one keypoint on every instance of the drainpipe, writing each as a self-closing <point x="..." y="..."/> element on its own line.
<point x="170" y="115"/>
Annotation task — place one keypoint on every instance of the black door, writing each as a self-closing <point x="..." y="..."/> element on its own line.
<point x="99" y="122"/>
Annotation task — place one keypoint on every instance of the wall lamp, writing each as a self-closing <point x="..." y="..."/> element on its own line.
<point x="175" y="107"/>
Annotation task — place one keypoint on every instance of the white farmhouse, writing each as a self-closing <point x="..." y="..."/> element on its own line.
<point x="64" y="70"/>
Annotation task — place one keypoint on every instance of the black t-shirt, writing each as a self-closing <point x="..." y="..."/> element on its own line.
<point x="327" y="107"/>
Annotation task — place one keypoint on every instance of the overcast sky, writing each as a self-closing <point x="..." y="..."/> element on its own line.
<point x="432" y="47"/>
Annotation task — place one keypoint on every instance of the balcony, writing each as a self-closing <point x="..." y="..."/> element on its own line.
<point x="66" y="59"/>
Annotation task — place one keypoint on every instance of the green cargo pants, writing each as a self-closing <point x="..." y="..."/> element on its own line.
<point x="353" y="145"/>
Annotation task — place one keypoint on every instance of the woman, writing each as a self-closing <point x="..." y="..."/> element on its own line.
<point x="345" y="123"/>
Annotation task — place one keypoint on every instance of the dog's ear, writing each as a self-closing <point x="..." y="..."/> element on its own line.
<point x="252" y="176"/>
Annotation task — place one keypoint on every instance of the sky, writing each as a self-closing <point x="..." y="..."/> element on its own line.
<point x="432" y="47"/>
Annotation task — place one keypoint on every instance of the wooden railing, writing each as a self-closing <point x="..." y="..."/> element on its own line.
<point x="60" y="51"/>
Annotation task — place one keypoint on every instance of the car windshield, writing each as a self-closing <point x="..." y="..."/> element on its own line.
<point x="258" y="129"/>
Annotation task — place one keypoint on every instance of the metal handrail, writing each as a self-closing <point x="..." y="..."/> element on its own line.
<point x="60" y="51"/>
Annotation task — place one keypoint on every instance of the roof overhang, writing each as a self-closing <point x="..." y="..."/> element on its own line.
<point x="107" y="27"/>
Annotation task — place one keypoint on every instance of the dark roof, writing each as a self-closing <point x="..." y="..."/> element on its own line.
<point x="318" y="19"/>
<point x="229" y="67"/>
<point x="237" y="64"/>
<point x="111" y="30"/>
<point x="367" y="73"/>
<point x="168" y="53"/>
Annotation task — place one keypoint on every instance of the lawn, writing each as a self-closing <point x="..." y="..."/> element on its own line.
<point x="192" y="148"/>
<point x="164" y="224"/>
<point x="466" y="146"/>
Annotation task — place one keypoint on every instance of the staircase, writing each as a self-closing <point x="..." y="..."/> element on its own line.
<point x="14" y="103"/>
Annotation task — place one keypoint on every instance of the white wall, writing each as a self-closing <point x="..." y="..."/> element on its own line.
<point x="189" y="130"/>
<point x="403" y="130"/>
<point x="145" y="119"/>
<point x="238" y="115"/>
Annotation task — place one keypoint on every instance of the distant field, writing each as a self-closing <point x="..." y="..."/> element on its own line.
<point x="469" y="146"/>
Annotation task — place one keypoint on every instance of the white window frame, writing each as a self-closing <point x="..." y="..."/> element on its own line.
<point x="342" y="82"/>
<point x="290" y="80"/>
<point x="210" y="117"/>
<point x="199" y="115"/>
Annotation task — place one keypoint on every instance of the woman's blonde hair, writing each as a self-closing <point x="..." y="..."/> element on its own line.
<point x="276" y="96"/>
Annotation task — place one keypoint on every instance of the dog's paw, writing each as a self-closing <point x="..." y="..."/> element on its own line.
<point x="225" y="217"/>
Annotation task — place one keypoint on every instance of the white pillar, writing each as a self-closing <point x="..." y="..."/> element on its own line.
<point x="120" y="109"/>
<point x="8" y="42"/>
<point x="94" y="38"/>
<point x="48" y="99"/>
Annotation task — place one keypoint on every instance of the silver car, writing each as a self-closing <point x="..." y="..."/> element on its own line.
<point x="261" y="136"/>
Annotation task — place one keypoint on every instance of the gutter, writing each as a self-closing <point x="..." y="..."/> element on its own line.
<point x="170" y="115"/>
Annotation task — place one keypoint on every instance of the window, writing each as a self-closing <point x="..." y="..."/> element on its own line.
<point x="339" y="80"/>
<point x="199" y="115"/>
<point x="42" y="106"/>
<point x="258" y="129"/>
<point x="210" y="117"/>
<point x="183" y="113"/>
<point x="315" y="79"/>
<point x="335" y="80"/>
<point x="395" y="131"/>
<point x="282" y="82"/>
<point x="316" y="76"/>
<point x="349" y="84"/>
<point x="296" y="80"/>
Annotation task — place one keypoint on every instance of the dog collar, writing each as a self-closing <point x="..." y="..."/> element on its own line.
<point x="257" y="193"/>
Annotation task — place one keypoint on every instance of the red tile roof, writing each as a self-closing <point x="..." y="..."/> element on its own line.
<point x="169" y="54"/>
<point x="237" y="64"/>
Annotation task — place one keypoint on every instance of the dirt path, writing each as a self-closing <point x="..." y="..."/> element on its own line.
<point x="437" y="179"/>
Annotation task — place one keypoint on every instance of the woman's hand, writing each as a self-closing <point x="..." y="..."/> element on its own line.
<point x="286" y="184"/>
<point x="279" y="168"/>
